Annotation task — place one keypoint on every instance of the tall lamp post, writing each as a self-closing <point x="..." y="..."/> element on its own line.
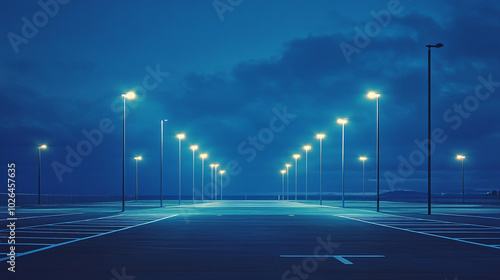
<point x="221" y="183"/>
<point x="282" y="183"/>
<point x="296" y="157"/>
<point x="181" y="137"/>
<point x="375" y="95"/>
<point x="215" y="175"/>
<point x="287" y="181"/>
<point x="212" y="181"/>
<point x="40" y="148"/>
<point x="130" y="96"/>
<point x="439" y="45"/>
<point x="363" y="159"/>
<point x="193" y="148"/>
<point x="306" y="148"/>
<point x="342" y="122"/>
<point x="462" y="157"/>
<point x="320" y="137"/>
<point x="137" y="177"/>
<point x="203" y="157"/>
<point x="161" y="162"/>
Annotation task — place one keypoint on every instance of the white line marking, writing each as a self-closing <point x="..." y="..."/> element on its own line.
<point x="472" y="216"/>
<point x="340" y="258"/>
<point x="92" y="236"/>
<point x="420" y="232"/>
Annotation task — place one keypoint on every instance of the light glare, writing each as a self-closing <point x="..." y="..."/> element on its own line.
<point x="320" y="136"/>
<point x="373" y="95"/>
<point x="181" y="136"/>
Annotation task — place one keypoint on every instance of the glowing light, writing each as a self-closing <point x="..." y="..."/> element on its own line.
<point x="307" y="147"/>
<point x="363" y="158"/>
<point x="216" y="165"/>
<point x="373" y="95"/>
<point x="341" y="121"/>
<point x="43" y="147"/>
<point x="320" y="136"/>
<point x="283" y="171"/>
<point x="130" y="95"/>
<point x="222" y="172"/>
<point x="296" y="156"/>
<point x="194" y="147"/>
<point x="181" y="136"/>
<point x="212" y="165"/>
<point x="288" y="165"/>
<point x="138" y="158"/>
<point x="203" y="156"/>
<point x="460" y="157"/>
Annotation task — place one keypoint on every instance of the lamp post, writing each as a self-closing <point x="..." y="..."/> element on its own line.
<point x="194" y="148"/>
<point x="161" y="162"/>
<point x="40" y="148"/>
<point x="462" y="157"/>
<point x="221" y="184"/>
<point x="320" y="137"/>
<point x="282" y="183"/>
<point x="306" y="148"/>
<point x="439" y="45"/>
<point x="296" y="157"/>
<point x="375" y="95"/>
<point x="342" y="122"/>
<point x="211" y="181"/>
<point x="203" y="157"/>
<point x="215" y="175"/>
<point x="137" y="177"/>
<point x="287" y="181"/>
<point x="130" y="96"/>
<point x="363" y="159"/>
<point x="180" y="137"/>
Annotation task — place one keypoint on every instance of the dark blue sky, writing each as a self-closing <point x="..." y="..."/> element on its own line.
<point x="220" y="74"/>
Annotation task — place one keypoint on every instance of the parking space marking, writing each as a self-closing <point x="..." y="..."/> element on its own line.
<point x="340" y="258"/>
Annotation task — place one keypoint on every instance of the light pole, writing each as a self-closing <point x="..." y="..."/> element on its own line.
<point x="375" y="95"/>
<point x="194" y="148"/>
<point x="306" y="148"/>
<point x="215" y="175"/>
<point x="130" y="96"/>
<point x="203" y="157"/>
<point x="462" y="157"/>
<point x="211" y="181"/>
<point x="296" y="157"/>
<point x="363" y="159"/>
<point x="221" y="184"/>
<point x="287" y="181"/>
<point x="180" y="137"/>
<point x="439" y="45"/>
<point x="161" y="162"/>
<point x="320" y="136"/>
<point x="137" y="177"/>
<point x="40" y="148"/>
<point x="342" y="122"/>
<point x="283" y="184"/>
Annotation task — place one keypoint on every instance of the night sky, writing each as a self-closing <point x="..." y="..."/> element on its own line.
<point x="250" y="82"/>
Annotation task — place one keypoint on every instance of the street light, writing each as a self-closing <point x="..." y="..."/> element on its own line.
<point x="363" y="159"/>
<point x="439" y="45"/>
<point x="320" y="136"/>
<point x="296" y="157"/>
<point x="130" y="96"/>
<point x="211" y="181"/>
<point x="287" y="180"/>
<point x="161" y="162"/>
<point x="375" y="95"/>
<point x="215" y="175"/>
<point x="283" y="184"/>
<point x="342" y="122"/>
<point x="221" y="184"/>
<point x="203" y="157"/>
<point x="42" y="147"/>
<point x="194" y="148"/>
<point x="180" y="137"/>
<point x="136" y="177"/>
<point x="462" y="157"/>
<point x="306" y="148"/>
